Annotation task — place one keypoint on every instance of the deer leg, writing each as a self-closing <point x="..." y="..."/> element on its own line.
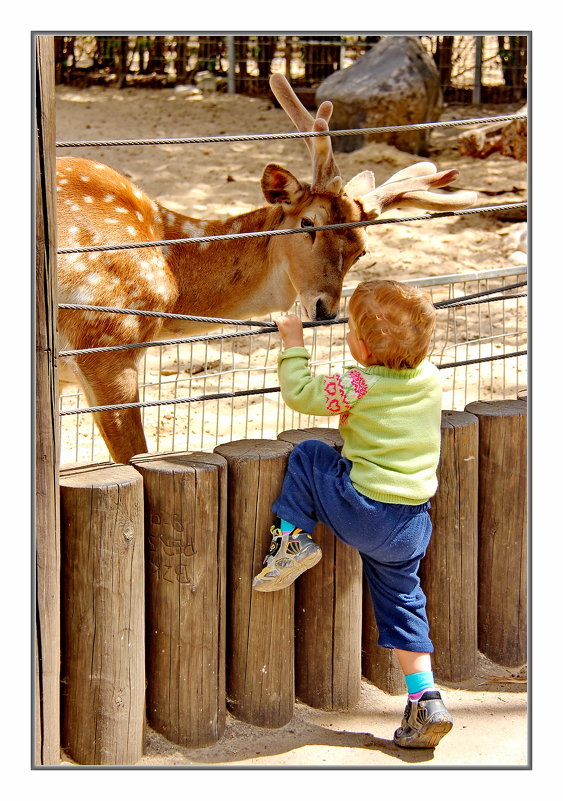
<point x="113" y="380"/>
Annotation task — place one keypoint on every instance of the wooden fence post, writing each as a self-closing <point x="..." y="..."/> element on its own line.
<point x="47" y="520"/>
<point x="449" y="569"/>
<point x="103" y="621"/>
<point x="185" y="506"/>
<point x="379" y="665"/>
<point x="260" y="632"/>
<point x="502" y="599"/>
<point x="328" y="670"/>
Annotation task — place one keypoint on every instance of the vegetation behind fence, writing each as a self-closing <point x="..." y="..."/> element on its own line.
<point x="489" y="69"/>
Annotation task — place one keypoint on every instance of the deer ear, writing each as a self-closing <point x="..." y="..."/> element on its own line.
<point x="280" y="186"/>
<point x="360" y="185"/>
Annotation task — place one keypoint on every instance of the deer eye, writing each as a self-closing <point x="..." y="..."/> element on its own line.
<point x="306" y="223"/>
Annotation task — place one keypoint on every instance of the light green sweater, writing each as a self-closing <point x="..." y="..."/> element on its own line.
<point x="389" y="421"/>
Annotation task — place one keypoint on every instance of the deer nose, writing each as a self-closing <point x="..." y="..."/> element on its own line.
<point x="321" y="312"/>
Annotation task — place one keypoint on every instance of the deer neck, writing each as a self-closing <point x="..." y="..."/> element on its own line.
<point x="228" y="278"/>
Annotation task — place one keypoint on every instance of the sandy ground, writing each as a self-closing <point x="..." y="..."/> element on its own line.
<point x="490" y="729"/>
<point x="214" y="180"/>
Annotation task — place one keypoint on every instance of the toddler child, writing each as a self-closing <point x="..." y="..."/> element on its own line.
<point x="374" y="496"/>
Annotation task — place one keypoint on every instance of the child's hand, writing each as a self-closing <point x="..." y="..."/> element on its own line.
<point x="291" y="330"/>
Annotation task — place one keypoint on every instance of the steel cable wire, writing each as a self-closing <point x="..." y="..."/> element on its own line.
<point x="205" y="140"/>
<point x="195" y="240"/>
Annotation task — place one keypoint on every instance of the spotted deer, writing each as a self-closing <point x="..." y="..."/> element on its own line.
<point x="238" y="279"/>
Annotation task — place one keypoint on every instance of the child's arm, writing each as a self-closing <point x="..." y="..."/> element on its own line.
<point x="319" y="395"/>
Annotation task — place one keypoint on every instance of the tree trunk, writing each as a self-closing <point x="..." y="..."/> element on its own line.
<point x="182" y="57"/>
<point x="123" y="50"/>
<point x="513" y="56"/>
<point x="241" y="58"/>
<point x="443" y="59"/>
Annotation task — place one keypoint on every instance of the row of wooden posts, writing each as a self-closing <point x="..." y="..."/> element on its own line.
<point x="160" y="623"/>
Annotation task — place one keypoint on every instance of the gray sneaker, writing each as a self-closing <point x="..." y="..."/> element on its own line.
<point x="291" y="553"/>
<point x="424" y="722"/>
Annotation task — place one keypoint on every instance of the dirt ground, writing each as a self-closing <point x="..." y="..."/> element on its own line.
<point x="490" y="729"/>
<point x="214" y="180"/>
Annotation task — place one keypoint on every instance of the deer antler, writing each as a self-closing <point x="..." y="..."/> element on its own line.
<point x="411" y="187"/>
<point x="326" y="176"/>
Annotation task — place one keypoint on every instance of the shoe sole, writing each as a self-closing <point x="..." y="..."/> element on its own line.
<point x="280" y="583"/>
<point x="429" y="736"/>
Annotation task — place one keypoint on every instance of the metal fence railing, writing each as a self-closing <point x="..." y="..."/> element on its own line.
<point x="464" y="333"/>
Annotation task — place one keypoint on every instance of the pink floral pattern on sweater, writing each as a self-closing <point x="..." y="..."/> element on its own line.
<point x="342" y="391"/>
<point x="336" y="400"/>
<point x="358" y="382"/>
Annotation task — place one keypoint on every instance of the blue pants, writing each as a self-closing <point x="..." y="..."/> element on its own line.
<point x="391" y="538"/>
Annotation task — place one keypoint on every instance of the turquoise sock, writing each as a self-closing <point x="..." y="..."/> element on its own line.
<point x="285" y="526"/>
<point x="418" y="683"/>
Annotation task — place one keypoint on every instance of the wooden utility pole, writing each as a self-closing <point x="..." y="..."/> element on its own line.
<point x="47" y="528"/>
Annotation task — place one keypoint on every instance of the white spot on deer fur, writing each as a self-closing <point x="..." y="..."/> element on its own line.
<point x="88" y="199"/>
<point x="98" y="166"/>
<point x="111" y="221"/>
<point x="137" y="193"/>
<point x="82" y="296"/>
<point x="75" y="207"/>
<point x="139" y="216"/>
<point x="85" y="178"/>
<point x="109" y="198"/>
<point x="191" y="229"/>
<point x="131" y="230"/>
<point x="164" y="290"/>
<point x="93" y="279"/>
<point x="121" y="210"/>
<point x="235" y="227"/>
<point x="63" y="181"/>
<point x="171" y="218"/>
<point x="77" y="267"/>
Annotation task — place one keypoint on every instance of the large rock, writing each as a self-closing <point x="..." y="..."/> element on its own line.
<point x="395" y="83"/>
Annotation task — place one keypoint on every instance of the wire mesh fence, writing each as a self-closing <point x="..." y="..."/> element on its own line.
<point x="485" y="330"/>
<point x="490" y="68"/>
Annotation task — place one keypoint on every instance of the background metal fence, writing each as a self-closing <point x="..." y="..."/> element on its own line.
<point x="469" y="332"/>
<point x="491" y="69"/>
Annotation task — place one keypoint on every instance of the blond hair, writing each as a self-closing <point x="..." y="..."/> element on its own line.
<point x="396" y="321"/>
